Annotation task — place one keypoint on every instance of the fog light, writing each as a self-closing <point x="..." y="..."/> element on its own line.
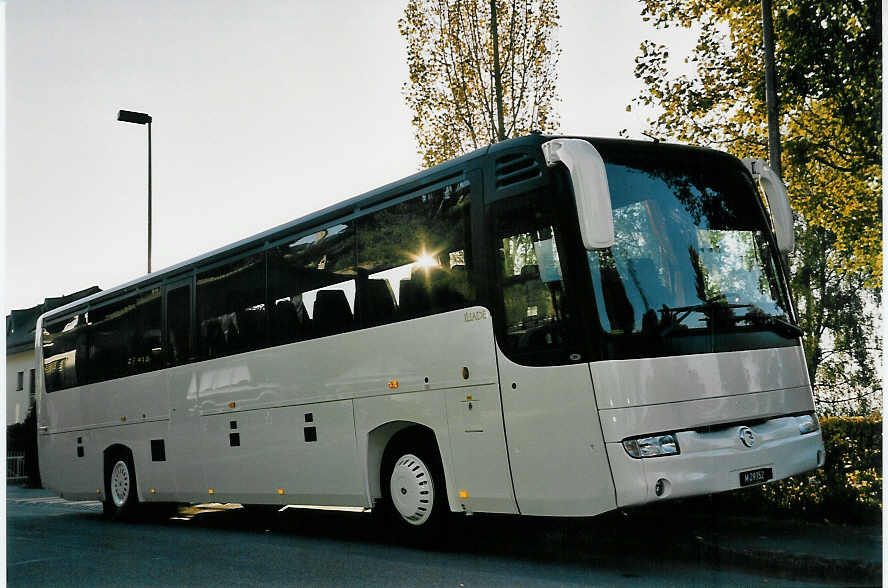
<point x="654" y="446"/>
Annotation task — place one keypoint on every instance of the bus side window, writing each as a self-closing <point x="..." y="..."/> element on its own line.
<point x="62" y="352"/>
<point x="311" y="285"/>
<point x="179" y="324"/>
<point x="231" y="307"/>
<point x="412" y="258"/>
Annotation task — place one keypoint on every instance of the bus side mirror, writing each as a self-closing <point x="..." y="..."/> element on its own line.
<point x="592" y="194"/>
<point x="778" y="202"/>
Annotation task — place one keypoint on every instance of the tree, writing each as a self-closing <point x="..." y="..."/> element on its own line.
<point x="829" y="87"/>
<point x="469" y="87"/>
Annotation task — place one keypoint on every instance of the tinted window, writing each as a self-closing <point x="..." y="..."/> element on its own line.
<point x="311" y="283"/>
<point x="65" y="352"/>
<point x="231" y="313"/>
<point x="529" y="255"/>
<point x="179" y="324"/>
<point x="414" y="257"/>
<point x="692" y="269"/>
<point x="124" y="337"/>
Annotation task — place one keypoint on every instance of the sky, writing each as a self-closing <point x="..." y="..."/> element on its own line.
<point x="263" y="112"/>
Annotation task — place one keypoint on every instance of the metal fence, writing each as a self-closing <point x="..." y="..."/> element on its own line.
<point x="15" y="467"/>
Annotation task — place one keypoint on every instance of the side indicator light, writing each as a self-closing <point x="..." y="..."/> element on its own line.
<point x="154" y="490"/>
<point x="280" y="490"/>
<point x="232" y="404"/>
<point x="463" y="494"/>
<point x="393" y="385"/>
<point x="211" y="491"/>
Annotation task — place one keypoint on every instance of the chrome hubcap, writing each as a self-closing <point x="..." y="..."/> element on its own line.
<point x="412" y="489"/>
<point x="120" y="484"/>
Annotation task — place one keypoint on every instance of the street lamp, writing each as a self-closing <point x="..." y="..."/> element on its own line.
<point x="140" y="118"/>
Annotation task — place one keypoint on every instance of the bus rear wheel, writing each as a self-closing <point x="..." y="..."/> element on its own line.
<point x="121" y="496"/>
<point x="414" y="494"/>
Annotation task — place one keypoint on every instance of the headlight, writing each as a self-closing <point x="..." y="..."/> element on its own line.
<point x="807" y="423"/>
<point x="654" y="446"/>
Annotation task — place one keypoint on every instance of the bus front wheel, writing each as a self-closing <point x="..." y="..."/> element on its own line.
<point x="121" y="496"/>
<point x="414" y="494"/>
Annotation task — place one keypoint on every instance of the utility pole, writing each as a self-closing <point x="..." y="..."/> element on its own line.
<point x="497" y="75"/>
<point x="771" y="89"/>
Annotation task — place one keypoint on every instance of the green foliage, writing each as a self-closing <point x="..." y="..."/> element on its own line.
<point x="452" y="86"/>
<point x="848" y="489"/>
<point x="828" y="58"/>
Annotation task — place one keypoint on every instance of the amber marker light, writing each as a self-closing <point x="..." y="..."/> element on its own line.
<point x="463" y="494"/>
<point x="232" y="404"/>
<point x="393" y="385"/>
<point x="154" y="490"/>
<point x="211" y="491"/>
<point x="280" y="490"/>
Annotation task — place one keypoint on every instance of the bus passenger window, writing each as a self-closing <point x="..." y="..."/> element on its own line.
<point x="412" y="258"/>
<point x="231" y="308"/>
<point x="179" y="324"/>
<point x="124" y="336"/>
<point x="311" y="285"/>
<point x="65" y="352"/>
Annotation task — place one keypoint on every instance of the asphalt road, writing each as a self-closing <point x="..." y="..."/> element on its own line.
<point x="53" y="542"/>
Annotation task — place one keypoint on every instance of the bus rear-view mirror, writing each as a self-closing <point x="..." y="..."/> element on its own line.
<point x="777" y="200"/>
<point x="591" y="192"/>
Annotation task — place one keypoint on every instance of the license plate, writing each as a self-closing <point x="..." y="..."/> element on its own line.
<point x="759" y="476"/>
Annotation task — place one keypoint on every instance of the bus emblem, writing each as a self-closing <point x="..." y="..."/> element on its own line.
<point x="748" y="436"/>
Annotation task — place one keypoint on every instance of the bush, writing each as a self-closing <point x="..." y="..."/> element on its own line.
<point x="847" y="489"/>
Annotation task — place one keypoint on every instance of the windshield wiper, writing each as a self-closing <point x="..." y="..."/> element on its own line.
<point x="675" y="320"/>
<point x="780" y="326"/>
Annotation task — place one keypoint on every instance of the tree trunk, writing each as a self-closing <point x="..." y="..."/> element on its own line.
<point x="497" y="75"/>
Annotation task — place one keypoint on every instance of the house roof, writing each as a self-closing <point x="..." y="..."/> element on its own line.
<point x="20" y="323"/>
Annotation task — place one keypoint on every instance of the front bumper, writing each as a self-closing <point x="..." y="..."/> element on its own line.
<point x="711" y="461"/>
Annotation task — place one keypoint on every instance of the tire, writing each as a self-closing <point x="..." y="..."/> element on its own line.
<point x="414" y="495"/>
<point x="121" y="494"/>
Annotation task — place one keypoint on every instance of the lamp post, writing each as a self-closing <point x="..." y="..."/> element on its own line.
<point x="140" y="118"/>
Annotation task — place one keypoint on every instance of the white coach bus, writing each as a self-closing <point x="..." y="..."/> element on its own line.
<point x="546" y="326"/>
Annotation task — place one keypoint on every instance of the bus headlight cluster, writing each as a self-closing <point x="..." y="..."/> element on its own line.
<point x="654" y="446"/>
<point x="807" y="423"/>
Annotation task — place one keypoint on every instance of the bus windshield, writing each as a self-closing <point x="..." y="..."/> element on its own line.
<point x="693" y="268"/>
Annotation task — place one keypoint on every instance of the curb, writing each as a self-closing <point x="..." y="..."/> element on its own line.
<point x="788" y="564"/>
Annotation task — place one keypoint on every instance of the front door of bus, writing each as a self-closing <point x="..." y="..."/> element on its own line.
<point x="556" y="450"/>
<point x="184" y="453"/>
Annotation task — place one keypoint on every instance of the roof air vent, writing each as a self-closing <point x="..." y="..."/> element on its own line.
<point x="514" y="168"/>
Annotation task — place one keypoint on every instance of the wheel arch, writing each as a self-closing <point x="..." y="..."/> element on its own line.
<point x="108" y="455"/>
<point x="380" y="438"/>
